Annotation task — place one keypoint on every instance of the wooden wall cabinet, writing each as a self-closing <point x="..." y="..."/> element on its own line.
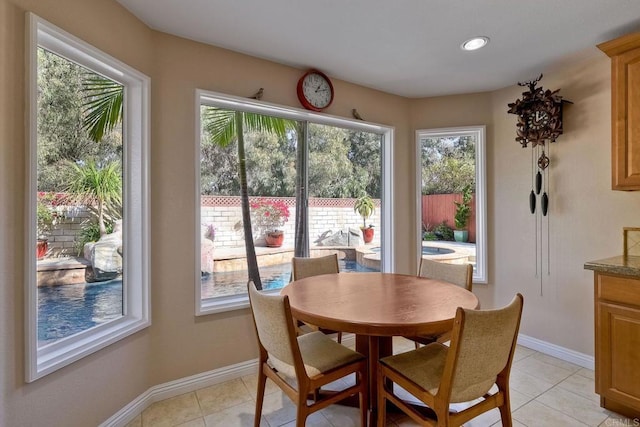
<point x="617" y="340"/>
<point x="625" y="110"/>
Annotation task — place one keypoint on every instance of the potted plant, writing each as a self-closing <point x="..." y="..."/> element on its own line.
<point x="268" y="216"/>
<point x="364" y="207"/>
<point x="462" y="215"/>
<point x="44" y="224"/>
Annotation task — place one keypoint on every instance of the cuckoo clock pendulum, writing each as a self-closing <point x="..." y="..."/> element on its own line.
<point x="539" y="114"/>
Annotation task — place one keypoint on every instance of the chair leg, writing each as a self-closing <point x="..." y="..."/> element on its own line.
<point x="417" y="344"/>
<point x="262" y="381"/>
<point x="363" y="398"/>
<point x="442" y="415"/>
<point x="301" y="416"/>
<point x="505" y="410"/>
<point x="382" y="403"/>
<point x="339" y="337"/>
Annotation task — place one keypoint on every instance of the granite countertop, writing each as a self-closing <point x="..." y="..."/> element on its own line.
<point x="622" y="265"/>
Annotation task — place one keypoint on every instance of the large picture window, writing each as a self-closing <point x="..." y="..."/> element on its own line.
<point x="305" y="174"/>
<point x="88" y="198"/>
<point x="451" y="200"/>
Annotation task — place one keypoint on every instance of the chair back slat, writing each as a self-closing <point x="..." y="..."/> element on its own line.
<point x="483" y="348"/>
<point x="458" y="274"/>
<point x="307" y="267"/>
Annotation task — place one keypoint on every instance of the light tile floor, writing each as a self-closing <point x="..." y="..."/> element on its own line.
<point x="545" y="392"/>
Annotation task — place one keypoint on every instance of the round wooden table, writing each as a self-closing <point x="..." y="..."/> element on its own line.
<point x="376" y="307"/>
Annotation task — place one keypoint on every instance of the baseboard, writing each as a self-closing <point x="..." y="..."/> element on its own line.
<point x="217" y="376"/>
<point x="178" y="387"/>
<point x="561" y="353"/>
<point x="554" y="350"/>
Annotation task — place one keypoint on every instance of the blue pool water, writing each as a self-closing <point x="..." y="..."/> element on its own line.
<point x="273" y="277"/>
<point x="68" y="309"/>
<point x="427" y="250"/>
<point x="434" y="250"/>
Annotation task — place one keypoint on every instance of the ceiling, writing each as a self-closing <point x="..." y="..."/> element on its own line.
<point x="408" y="47"/>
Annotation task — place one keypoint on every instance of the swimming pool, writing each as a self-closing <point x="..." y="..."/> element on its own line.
<point x="68" y="309"/>
<point x="428" y="250"/>
<point x="273" y="277"/>
<point x="435" y="250"/>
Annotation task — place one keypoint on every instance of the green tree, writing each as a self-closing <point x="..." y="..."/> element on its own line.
<point x="271" y="164"/>
<point x="448" y="165"/>
<point x="102" y="105"/>
<point x="365" y="157"/>
<point x="97" y="186"/>
<point x="224" y="127"/>
<point x="61" y="136"/>
<point x="329" y="166"/>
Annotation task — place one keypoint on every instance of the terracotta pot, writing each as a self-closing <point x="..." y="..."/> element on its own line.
<point x="367" y="234"/>
<point x="274" y="239"/>
<point x="42" y="246"/>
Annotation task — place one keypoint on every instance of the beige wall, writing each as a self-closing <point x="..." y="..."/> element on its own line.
<point x="586" y="216"/>
<point x="177" y="344"/>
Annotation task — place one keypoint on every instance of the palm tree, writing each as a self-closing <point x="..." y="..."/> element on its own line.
<point x="225" y="127"/>
<point x="97" y="186"/>
<point x="102" y="105"/>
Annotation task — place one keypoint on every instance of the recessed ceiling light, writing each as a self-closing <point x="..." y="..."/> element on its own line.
<point x="475" y="43"/>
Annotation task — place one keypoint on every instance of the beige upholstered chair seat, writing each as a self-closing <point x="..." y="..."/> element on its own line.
<point x="320" y="354"/>
<point x="423" y="366"/>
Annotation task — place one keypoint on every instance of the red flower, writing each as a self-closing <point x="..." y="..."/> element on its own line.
<point x="269" y="214"/>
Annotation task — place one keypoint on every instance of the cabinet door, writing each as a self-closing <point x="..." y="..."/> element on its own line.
<point x="618" y="343"/>
<point x="626" y="121"/>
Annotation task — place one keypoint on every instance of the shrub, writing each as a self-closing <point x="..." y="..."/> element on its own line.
<point x="90" y="232"/>
<point x="443" y="232"/>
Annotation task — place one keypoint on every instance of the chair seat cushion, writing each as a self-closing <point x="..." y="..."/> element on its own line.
<point x="423" y="366"/>
<point x="320" y="354"/>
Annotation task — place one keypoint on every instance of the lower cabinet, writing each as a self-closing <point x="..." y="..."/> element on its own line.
<point x="617" y="339"/>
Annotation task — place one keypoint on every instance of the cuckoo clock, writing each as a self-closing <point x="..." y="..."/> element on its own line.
<point x="539" y="114"/>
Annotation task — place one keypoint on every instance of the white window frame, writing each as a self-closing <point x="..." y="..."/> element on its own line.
<point x="219" y="100"/>
<point x="135" y="130"/>
<point x="479" y="132"/>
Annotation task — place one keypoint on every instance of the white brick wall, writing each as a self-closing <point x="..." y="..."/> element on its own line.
<point x="228" y="223"/>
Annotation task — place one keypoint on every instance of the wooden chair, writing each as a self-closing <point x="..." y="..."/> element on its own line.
<point x="307" y="267"/>
<point x="458" y="274"/>
<point x="480" y="355"/>
<point x="313" y="359"/>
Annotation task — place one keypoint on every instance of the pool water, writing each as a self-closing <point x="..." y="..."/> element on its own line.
<point x="68" y="309"/>
<point x="273" y="277"/>
<point x="427" y="250"/>
<point x="434" y="250"/>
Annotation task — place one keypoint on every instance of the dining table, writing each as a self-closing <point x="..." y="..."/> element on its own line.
<point x="376" y="307"/>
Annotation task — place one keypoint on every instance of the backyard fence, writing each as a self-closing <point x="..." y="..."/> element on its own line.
<point x="437" y="208"/>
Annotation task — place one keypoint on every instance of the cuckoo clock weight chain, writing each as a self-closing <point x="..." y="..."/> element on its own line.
<point x="539" y="114"/>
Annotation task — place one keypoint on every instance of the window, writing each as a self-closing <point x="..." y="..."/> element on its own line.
<point x="451" y="197"/>
<point x="75" y="305"/>
<point x="335" y="160"/>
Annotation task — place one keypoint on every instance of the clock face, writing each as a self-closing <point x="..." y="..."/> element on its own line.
<point x="538" y="119"/>
<point x="315" y="91"/>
